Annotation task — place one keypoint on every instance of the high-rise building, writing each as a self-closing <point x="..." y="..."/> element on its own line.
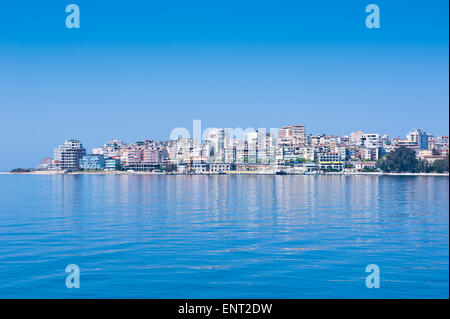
<point x="370" y="140"/>
<point x="242" y="151"/>
<point x="443" y="140"/>
<point x="68" y="155"/>
<point x="292" y="135"/>
<point x="419" y="137"/>
<point x="265" y="147"/>
<point x="155" y="155"/>
<point x="216" y="139"/>
<point x="355" y="138"/>
<point x="251" y="137"/>
<point x="135" y="156"/>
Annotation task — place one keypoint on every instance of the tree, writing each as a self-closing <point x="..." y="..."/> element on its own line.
<point x="423" y="166"/>
<point x="21" y="170"/>
<point x="441" y="165"/>
<point x="399" y="160"/>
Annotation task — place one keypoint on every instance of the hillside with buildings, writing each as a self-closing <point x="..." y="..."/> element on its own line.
<point x="289" y="150"/>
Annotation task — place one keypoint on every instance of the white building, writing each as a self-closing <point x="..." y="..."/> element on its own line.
<point x="359" y="166"/>
<point x="219" y="167"/>
<point x="331" y="161"/>
<point x="200" y="168"/>
<point x="370" y="140"/>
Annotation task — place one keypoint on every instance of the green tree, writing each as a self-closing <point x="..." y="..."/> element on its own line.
<point x="399" y="160"/>
<point x="423" y="166"/>
<point x="441" y="165"/>
<point x="21" y="170"/>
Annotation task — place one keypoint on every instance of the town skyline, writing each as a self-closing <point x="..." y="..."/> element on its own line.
<point x="219" y="150"/>
<point x="90" y="145"/>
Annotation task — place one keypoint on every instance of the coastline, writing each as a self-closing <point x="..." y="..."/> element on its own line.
<point x="223" y="174"/>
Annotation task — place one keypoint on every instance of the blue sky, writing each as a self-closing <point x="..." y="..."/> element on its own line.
<point x="138" y="69"/>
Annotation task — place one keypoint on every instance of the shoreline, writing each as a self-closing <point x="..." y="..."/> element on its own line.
<point x="223" y="174"/>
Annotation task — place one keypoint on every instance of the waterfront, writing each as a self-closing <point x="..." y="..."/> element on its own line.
<point x="344" y="173"/>
<point x="156" y="236"/>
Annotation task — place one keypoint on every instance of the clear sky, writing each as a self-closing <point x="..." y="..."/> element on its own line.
<point x="137" y="69"/>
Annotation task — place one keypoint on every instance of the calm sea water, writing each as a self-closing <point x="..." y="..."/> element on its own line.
<point x="223" y="236"/>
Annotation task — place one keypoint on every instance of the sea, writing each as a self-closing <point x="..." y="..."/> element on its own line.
<point x="224" y="236"/>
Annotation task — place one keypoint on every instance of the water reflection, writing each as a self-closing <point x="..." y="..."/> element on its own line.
<point x="237" y="236"/>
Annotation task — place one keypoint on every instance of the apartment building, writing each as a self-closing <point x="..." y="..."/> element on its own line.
<point x="330" y="161"/>
<point x="67" y="156"/>
<point x="292" y="135"/>
<point x="92" y="162"/>
<point x="112" y="164"/>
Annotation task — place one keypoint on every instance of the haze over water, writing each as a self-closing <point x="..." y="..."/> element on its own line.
<point x="149" y="236"/>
